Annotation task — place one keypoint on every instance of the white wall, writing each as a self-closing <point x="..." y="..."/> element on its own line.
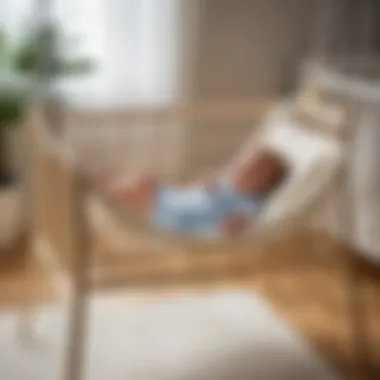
<point x="250" y="47"/>
<point x="245" y="49"/>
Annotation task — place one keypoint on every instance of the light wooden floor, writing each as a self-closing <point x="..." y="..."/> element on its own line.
<point x="305" y="286"/>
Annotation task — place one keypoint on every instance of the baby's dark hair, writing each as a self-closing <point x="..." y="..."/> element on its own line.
<point x="281" y="168"/>
<point x="281" y="178"/>
<point x="261" y="173"/>
<point x="284" y="171"/>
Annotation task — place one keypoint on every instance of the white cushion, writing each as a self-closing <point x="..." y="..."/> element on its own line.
<point x="313" y="160"/>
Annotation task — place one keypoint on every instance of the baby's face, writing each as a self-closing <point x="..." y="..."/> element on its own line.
<point x="259" y="174"/>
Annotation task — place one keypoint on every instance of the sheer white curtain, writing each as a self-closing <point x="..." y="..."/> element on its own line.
<point x="135" y="45"/>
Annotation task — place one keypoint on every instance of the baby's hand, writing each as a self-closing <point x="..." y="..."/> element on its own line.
<point x="233" y="224"/>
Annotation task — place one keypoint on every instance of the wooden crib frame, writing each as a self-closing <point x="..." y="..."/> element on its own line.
<point x="57" y="179"/>
<point x="62" y="235"/>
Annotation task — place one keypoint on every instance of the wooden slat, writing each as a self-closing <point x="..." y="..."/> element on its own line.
<point x="172" y="268"/>
<point x="223" y="111"/>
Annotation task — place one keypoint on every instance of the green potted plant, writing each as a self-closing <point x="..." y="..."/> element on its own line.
<point x="12" y="106"/>
<point x="20" y="67"/>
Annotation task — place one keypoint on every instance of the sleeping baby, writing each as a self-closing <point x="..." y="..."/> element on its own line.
<point x="219" y="204"/>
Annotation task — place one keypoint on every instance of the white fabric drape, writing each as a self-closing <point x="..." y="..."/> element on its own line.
<point x="135" y="46"/>
<point x="133" y="43"/>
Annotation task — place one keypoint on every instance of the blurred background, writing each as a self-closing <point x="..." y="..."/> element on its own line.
<point x="107" y="55"/>
<point x="150" y="51"/>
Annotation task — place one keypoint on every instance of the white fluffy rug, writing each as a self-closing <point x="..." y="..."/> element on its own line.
<point x="219" y="336"/>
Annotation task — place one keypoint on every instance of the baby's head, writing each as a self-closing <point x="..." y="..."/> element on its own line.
<point x="260" y="174"/>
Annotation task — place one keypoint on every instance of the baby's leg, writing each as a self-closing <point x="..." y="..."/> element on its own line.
<point x="135" y="190"/>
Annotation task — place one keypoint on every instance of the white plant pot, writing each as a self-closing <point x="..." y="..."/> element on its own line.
<point x="11" y="216"/>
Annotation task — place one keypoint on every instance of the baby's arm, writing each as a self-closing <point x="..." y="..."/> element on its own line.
<point x="234" y="224"/>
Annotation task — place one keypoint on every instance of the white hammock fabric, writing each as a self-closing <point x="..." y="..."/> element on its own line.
<point x="314" y="160"/>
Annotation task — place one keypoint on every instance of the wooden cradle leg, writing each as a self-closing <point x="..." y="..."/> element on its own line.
<point x="78" y="317"/>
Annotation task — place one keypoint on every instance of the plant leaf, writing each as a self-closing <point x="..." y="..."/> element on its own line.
<point x="79" y="66"/>
<point x="27" y="58"/>
<point x="12" y="107"/>
<point x="4" y="47"/>
<point x="3" y="39"/>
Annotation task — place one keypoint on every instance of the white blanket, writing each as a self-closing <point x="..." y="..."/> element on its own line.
<point x="221" y="336"/>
